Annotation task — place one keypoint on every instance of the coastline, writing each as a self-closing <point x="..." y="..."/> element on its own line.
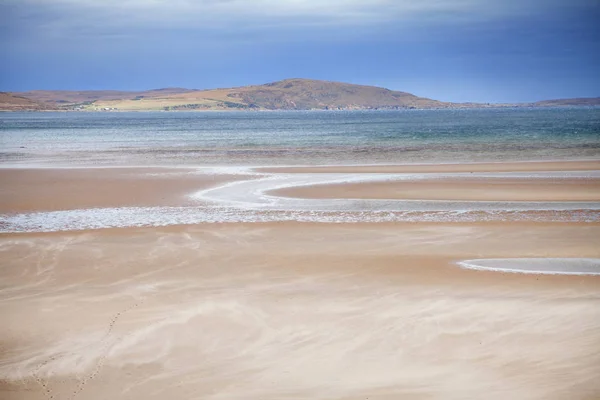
<point x="454" y="107"/>
<point x="175" y="196"/>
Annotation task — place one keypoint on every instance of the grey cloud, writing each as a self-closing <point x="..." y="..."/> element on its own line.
<point x="59" y="18"/>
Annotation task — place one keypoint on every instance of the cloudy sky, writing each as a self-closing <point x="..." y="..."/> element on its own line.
<point x="453" y="50"/>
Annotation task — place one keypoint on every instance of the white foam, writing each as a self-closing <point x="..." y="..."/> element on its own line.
<point x="257" y="193"/>
<point x="551" y="266"/>
<point x="252" y="200"/>
<point x="100" y="218"/>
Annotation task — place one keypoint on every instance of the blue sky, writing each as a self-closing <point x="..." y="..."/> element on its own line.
<point x="452" y="50"/>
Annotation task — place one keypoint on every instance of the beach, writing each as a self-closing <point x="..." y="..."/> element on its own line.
<point x="287" y="309"/>
<point x="433" y="254"/>
<point x="299" y="200"/>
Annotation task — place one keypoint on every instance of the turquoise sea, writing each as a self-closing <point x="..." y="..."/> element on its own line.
<point x="296" y="137"/>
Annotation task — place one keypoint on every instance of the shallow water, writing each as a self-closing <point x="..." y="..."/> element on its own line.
<point x="288" y="138"/>
<point x="551" y="266"/>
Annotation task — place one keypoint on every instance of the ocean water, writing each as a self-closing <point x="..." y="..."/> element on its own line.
<point x="298" y="138"/>
<point x="232" y="142"/>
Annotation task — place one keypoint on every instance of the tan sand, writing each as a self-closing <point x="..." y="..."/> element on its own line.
<point x="23" y="190"/>
<point x="473" y="167"/>
<point x="456" y="189"/>
<point x="287" y="311"/>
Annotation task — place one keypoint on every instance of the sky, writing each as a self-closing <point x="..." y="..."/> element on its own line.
<point x="450" y="50"/>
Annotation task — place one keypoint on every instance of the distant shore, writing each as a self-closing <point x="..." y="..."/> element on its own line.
<point x="288" y="94"/>
<point x="454" y="108"/>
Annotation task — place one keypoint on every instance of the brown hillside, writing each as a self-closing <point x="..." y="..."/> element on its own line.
<point x="64" y="97"/>
<point x="586" y="101"/>
<point x="310" y="94"/>
<point x="10" y="102"/>
<point x="302" y="94"/>
<point x="288" y="94"/>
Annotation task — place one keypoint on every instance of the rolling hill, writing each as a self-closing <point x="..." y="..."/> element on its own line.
<point x="288" y="94"/>
<point x="303" y="94"/>
<point x="10" y="102"/>
<point x="585" y="101"/>
<point x="66" y="97"/>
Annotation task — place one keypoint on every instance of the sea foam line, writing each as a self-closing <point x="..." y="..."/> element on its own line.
<point x="257" y="193"/>
<point x="101" y="218"/>
<point x="251" y="201"/>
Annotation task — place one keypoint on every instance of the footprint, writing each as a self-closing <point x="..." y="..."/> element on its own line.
<point x="44" y="382"/>
<point x="106" y="347"/>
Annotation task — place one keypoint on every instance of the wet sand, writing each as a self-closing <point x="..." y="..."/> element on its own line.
<point x="25" y="190"/>
<point x="490" y="189"/>
<point x="464" y="167"/>
<point x="287" y="310"/>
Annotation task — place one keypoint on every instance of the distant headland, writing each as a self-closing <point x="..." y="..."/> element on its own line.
<point x="288" y="94"/>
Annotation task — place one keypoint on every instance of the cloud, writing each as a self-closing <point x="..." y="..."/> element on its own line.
<point x="65" y="16"/>
<point x="208" y="43"/>
<point x="208" y="24"/>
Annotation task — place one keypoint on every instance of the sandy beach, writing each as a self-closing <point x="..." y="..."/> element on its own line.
<point x="47" y="189"/>
<point x="289" y="310"/>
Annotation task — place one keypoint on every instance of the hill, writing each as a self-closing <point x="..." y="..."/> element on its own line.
<point x="288" y="94"/>
<point x="585" y="101"/>
<point x="10" y="102"/>
<point x="303" y="94"/>
<point x="66" y="97"/>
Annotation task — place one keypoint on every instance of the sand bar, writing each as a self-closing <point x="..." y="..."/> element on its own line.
<point x="498" y="189"/>
<point x="76" y="199"/>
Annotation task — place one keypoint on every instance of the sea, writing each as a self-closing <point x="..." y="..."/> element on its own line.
<point x="234" y="142"/>
<point x="56" y="139"/>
